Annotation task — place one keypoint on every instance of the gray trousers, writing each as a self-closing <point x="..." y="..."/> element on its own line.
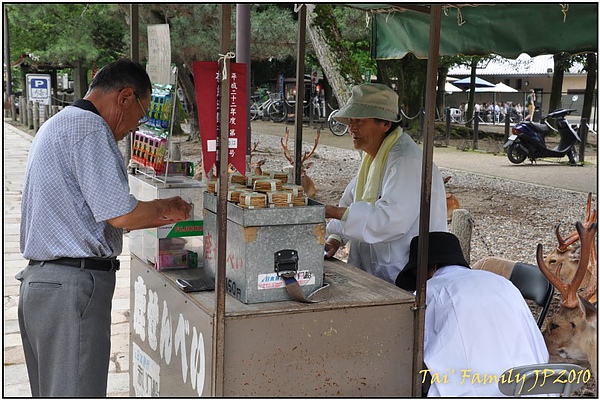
<point x="64" y="318"/>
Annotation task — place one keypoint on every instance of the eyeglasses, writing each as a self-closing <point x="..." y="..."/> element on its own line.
<point x="144" y="113"/>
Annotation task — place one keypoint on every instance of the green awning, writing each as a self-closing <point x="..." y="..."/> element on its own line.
<point x="506" y="29"/>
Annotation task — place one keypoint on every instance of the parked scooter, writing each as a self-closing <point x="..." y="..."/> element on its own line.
<point x="529" y="139"/>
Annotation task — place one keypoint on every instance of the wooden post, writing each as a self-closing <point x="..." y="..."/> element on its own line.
<point x="35" y="116"/>
<point x="46" y="113"/>
<point x="583" y="133"/>
<point x="425" y="203"/>
<point x="218" y="345"/>
<point x="299" y="109"/>
<point x="448" y="126"/>
<point x="476" y="132"/>
<point x="506" y="128"/>
<point x="462" y="228"/>
<point x="421" y="124"/>
<point x="22" y="110"/>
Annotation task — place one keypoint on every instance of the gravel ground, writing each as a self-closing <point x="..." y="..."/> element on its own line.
<point x="510" y="218"/>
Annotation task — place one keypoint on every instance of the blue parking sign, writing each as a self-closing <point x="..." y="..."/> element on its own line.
<point x="38" y="88"/>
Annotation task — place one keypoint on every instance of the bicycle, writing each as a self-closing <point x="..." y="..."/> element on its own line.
<point x="273" y="107"/>
<point x="337" y="128"/>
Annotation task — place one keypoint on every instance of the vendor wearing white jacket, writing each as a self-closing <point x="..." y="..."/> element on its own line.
<point x="378" y="213"/>
<point x="477" y="323"/>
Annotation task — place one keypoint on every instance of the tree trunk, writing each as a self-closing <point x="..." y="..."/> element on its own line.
<point x="590" y="84"/>
<point x="185" y="80"/>
<point x="557" y="82"/>
<point x="327" y="58"/>
<point x="471" y="106"/>
<point x="441" y="90"/>
<point x="80" y="80"/>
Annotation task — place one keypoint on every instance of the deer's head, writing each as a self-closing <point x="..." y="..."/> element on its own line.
<point x="566" y="255"/>
<point x="451" y="201"/>
<point x="256" y="165"/>
<point x="307" y="183"/>
<point x="572" y="332"/>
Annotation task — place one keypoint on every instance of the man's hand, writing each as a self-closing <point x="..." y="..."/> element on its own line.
<point x="176" y="210"/>
<point x="334" y="212"/>
<point x="154" y="213"/>
<point x="331" y="247"/>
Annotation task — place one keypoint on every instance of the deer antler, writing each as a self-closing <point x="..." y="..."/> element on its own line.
<point x="590" y="217"/>
<point x="569" y="291"/>
<point x="286" y="152"/>
<point x="306" y="153"/>
<point x="591" y="290"/>
<point x="563" y="244"/>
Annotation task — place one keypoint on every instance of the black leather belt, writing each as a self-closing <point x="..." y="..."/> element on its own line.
<point x="97" y="264"/>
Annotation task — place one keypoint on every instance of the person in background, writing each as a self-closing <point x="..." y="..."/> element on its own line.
<point x="530" y="103"/>
<point x="378" y="213"/>
<point x="463" y="109"/>
<point x="476" y="322"/>
<point x="519" y="111"/>
<point x="504" y="111"/>
<point x="76" y="204"/>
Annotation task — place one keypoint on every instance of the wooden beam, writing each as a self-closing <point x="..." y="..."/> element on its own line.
<point x="426" y="173"/>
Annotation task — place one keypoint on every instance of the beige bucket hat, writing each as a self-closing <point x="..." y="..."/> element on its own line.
<point x="370" y="100"/>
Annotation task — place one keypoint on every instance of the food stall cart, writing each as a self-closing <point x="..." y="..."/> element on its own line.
<point x="354" y="344"/>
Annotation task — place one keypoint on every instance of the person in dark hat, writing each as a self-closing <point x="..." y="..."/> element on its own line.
<point x="378" y="213"/>
<point x="477" y="323"/>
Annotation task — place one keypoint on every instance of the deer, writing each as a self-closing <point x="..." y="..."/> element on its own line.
<point x="567" y="252"/>
<point x="572" y="331"/>
<point x="256" y="165"/>
<point x="451" y="201"/>
<point x="307" y="183"/>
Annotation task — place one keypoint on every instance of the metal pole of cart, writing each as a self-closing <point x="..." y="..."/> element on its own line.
<point x="299" y="112"/>
<point x="134" y="54"/>
<point x="242" y="55"/>
<point x="420" y="300"/>
<point x="218" y="345"/>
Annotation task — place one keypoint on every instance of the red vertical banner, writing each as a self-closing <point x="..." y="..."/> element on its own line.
<point x="238" y="121"/>
<point x="205" y="81"/>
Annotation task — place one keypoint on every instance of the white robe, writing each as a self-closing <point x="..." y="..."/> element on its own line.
<point x="477" y="325"/>
<point x="380" y="233"/>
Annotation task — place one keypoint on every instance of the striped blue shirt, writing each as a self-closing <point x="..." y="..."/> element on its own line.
<point x="75" y="181"/>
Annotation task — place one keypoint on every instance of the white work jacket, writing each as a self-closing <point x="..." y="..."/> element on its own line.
<point x="379" y="234"/>
<point x="477" y="325"/>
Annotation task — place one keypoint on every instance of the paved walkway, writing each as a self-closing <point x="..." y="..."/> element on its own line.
<point x="16" y="383"/>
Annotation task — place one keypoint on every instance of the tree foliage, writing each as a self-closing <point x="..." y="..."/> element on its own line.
<point x="60" y="34"/>
<point x="347" y="37"/>
<point x="195" y="31"/>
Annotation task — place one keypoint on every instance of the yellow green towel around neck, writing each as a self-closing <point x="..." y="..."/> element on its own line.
<point x="371" y="170"/>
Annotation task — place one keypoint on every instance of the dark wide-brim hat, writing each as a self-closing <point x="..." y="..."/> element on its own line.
<point x="444" y="248"/>
<point x="370" y="100"/>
